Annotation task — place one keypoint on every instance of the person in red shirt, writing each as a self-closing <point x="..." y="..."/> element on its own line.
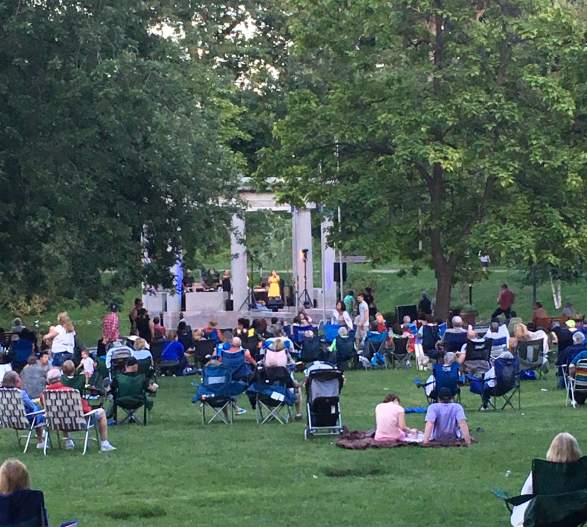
<point x="98" y="416"/>
<point x="505" y="301"/>
<point x="110" y="327"/>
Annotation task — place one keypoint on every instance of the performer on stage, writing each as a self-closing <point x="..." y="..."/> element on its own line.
<point x="274" y="281"/>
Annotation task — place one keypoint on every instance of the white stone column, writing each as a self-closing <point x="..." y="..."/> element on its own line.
<point x="328" y="259"/>
<point x="238" y="263"/>
<point x="302" y="239"/>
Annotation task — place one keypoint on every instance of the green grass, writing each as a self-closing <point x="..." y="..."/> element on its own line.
<point x="181" y="473"/>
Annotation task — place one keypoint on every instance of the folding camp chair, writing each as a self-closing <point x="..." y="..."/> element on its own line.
<point x="129" y="393"/>
<point x="23" y="508"/>
<point x="578" y="383"/>
<point x="454" y="341"/>
<point x="531" y="355"/>
<point x="203" y="349"/>
<point x="64" y="413"/>
<point x="13" y="415"/>
<point x="311" y="349"/>
<point x="345" y="351"/>
<point x="399" y="352"/>
<point x="430" y="337"/>
<point x="497" y="346"/>
<point x="21" y="350"/>
<point x="477" y="355"/>
<point x="273" y="399"/>
<point x="374" y="348"/>
<point x="444" y="377"/>
<point x="215" y="394"/>
<point x="507" y="383"/>
<point x="330" y="332"/>
<point x="559" y="495"/>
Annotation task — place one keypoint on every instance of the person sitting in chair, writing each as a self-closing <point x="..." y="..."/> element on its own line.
<point x="563" y="449"/>
<point x="455" y="336"/>
<point x="34" y="375"/>
<point x="132" y="369"/>
<point x="390" y="420"/>
<point x="15" y="485"/>
<point x="446" y="421"/>
<point x="174" y="353"/>
<point x="99" y="417"/>
<point x="12" y="380"/>
<point x="490" y="381"/>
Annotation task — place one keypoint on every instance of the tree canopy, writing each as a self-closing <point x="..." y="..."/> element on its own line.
<point x="441" y="128"/>
<point x="113" y="142"/>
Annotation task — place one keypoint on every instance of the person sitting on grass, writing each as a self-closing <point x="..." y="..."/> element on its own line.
<point x="12" y="380"/>
<point x="99" y="418"/>
<point x="563" y="449"/>
<point x="446" y="421"/>
<point x="390" y="420"/>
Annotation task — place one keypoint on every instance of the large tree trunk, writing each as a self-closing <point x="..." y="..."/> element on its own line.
<point x="444" y="278"/>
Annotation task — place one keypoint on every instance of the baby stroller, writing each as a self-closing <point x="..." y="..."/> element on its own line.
<point x="323" y="386"/>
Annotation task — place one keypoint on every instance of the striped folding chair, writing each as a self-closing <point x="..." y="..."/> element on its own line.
<point x="64" y="413"/>
<point x="13" y="415"/>
<point x="578" y="383"/>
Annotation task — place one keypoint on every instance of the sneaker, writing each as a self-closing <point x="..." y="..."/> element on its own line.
<point x="106" y="447"/>
<point x="41" y="445"/>
<point x="69" y="444"/>
<point x="298" y="417"/>
<point x="240" y="411"/>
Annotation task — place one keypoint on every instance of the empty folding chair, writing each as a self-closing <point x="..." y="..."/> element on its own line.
<point x="399" y="351"/>
<point x="13" y="415"/>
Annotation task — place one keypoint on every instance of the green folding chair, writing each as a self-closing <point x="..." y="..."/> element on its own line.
<point x="559" y="496"/>
<point x="129" y="393"/>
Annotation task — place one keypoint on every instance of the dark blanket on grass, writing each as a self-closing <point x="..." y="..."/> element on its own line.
<point x="360" y="440"/>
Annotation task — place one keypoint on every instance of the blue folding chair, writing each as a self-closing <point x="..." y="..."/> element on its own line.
<point x="235" y="362"/>
<point x="374" y="348"/>
<point x="454" y="341"/>
<point x="331" y="332"/>
<point x="444" y="377"/>
<point x="218" y="392"/>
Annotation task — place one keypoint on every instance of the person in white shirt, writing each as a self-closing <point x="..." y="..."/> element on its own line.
<point x="62" y="339"/>
<point x="563" y="449"/>
<point x="362" y="320"/>
<point x="341" y="316"/>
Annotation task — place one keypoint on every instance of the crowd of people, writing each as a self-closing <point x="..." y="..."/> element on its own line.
<point x="59" y="357"/>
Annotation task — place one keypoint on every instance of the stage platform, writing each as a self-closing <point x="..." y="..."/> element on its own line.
<point x="228" y="319"/>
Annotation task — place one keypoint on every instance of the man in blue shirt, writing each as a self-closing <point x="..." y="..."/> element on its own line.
<point x="174" y="352"/>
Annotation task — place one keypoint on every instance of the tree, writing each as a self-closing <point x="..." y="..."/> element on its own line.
<point x="113" y="143"/>
<point x="441" y="124"/>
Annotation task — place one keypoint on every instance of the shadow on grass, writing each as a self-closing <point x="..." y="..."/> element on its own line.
<point x="356" y="472"/>
<point x="136" y="510"/>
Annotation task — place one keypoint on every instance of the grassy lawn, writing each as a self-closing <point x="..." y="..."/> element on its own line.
<point x="181" y="473"/>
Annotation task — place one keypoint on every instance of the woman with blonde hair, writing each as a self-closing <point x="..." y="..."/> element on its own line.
<point x="523" y="334"/>
<point x="564" y="448"/>
<point x="14" y="476"/>
<point x="62" y="339"/>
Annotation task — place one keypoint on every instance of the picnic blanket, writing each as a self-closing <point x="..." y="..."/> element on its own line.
<point x="361" y="440"/>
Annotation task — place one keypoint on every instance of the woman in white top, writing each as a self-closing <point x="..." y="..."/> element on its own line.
<point x="341" y="316"/>
<point x="563" y="449"/>
<point x="62" y="339"/>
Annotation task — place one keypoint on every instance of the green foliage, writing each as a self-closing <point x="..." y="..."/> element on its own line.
<point x="110" y="134"/>
<point x="441" y="128"/>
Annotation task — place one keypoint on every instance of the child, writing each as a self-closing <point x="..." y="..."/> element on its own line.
<point x="88" y="365"/>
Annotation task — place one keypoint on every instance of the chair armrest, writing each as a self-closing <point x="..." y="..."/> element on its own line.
<point x="92" y="412"/>
<point x="31" y="414"/>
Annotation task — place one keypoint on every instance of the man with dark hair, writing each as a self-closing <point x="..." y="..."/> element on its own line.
<point x="505" y="301"/>
<point x="446" y="421"/>
<point x="362" y="320"/>
<point x="134" y="313"/>
<point x="34" y="374"/>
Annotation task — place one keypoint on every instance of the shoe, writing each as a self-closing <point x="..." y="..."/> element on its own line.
<point x="240" y="411"/>
<point x="106" y="447"/>
<point x="112" y="422"/>
<point x="69" y="444"/>
<point x="41" y="445"/>
<point x="298" y="417"/>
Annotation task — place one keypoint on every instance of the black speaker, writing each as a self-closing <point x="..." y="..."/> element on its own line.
<point x="337" y="272"/>
<point x="229" y="305"/>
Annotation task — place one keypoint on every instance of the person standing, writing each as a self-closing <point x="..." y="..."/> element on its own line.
<point x="349" y="302"/>
<point x="485" y="261"/>
<point x="370" y="299"/>
<point x="505" y="302"/>
<point x="62" y="339"/>
<point x="110" y="327"/>
<point x="145" y="326"/>
<point x="274" y="282"/>
<point x="133" y="314"/>
<point x="362" y="320"/>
